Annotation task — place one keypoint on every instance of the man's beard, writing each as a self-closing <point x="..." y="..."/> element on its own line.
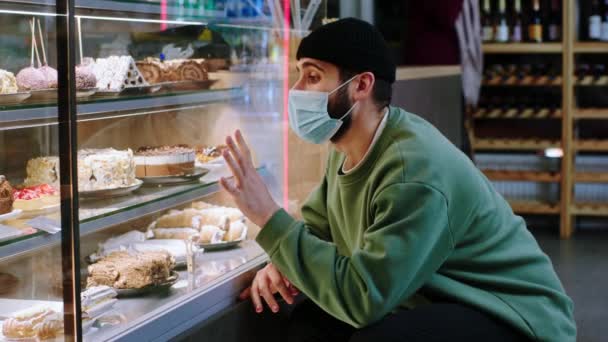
<point x="340" y="105"/>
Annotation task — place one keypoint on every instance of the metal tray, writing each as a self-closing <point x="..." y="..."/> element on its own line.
<point x="194" y="176"/>
<point x="151" y="288"/>
<point x="105" y="193"/>
<point x="44" y="94"/>
<point x="210" y="247"/>
<point x="14" y="98"/>
<point x="128" y="91"/>
<point x="188" y="85"/>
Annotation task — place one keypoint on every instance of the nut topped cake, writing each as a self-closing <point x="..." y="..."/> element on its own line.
<point x="160" y="161"/>
<point x="116" y="73"/>
<point x="98" y="169"/>
<point x="125" y="270"/>
<point x="6" y="196"/>
<point x="105" y="169"/>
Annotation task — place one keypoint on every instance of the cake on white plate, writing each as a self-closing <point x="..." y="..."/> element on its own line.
<point x="98" y="169"/>
<point x="158" y="161"/>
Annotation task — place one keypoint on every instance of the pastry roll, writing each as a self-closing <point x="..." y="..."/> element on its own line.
<point x="211" y="234"/>
<point x="184" y="218"/>
<point x="237" y="231"/>
<point x="175" y="233"/>
<point x="50" y="328"/>
<point x="23" y="324"/>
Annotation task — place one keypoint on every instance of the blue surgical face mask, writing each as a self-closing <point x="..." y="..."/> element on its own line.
<point x="308" y="116"/>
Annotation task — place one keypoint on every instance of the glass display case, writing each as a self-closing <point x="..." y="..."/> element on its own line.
<point x="113" y="116"/>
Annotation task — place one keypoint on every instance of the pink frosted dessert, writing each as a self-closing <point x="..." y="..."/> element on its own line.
<point x="85" y="77"/>
<point x="31" y="78"/>
<point x="51" y="76"/>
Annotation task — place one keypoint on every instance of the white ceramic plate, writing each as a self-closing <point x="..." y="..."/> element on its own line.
<point x="12" y="215"/>
<point x="105" y="193"/>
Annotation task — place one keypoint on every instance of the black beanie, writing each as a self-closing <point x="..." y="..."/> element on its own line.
<point x="352" y="44"/>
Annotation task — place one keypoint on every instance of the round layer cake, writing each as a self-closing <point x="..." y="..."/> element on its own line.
<point x="159" y="161"/>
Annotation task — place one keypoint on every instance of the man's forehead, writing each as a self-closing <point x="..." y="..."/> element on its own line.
<point x="314" y="63"/>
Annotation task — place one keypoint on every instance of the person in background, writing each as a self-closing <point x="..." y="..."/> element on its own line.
<point x="431" y="29"/>
<point x="404" y="239"/>
<point x="447" y="33"/>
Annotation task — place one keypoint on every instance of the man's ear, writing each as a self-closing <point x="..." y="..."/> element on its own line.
<point x="364" y="85"/>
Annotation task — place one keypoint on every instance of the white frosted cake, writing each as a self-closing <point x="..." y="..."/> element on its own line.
<point x="164" y="161"/>
<point x="116" y="73"/>
<point x="105" y="169"/>
<point x="97" y="169"/>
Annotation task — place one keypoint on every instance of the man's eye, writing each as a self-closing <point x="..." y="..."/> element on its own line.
<point x="313" y="78"/>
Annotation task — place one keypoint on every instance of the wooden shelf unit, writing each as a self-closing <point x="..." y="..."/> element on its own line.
<point x="528" y="176"/>
<point x="519" y="48"/>
<point x="591" y="177"/>
<point x="534" y="207"/>
<point x="592" y="81"/>
<point x="568" y="49"/>
<point x="514" y="144"/>
<point x="528" y="81"/>
<point x="590" y="209"/>
<point x="513" y="113"/>
<point x="588" y="47"/>
<point x="591" y="145"/>
<point x="590" y="113"/>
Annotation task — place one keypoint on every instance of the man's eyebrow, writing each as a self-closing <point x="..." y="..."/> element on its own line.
<point x="311" y="64"/>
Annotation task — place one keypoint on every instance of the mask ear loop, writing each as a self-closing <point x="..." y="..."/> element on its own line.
<point x="342" y="85"/>
<point x="349" y="111"/>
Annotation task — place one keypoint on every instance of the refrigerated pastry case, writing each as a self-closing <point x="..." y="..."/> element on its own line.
<point x="99" y="160"/>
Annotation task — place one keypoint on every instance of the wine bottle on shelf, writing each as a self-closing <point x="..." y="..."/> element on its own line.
<point x="516" y="23"/>
<point x="535" y="28"/>
<point x="511" y="74"/>
<point x="604" y="33"/>
<point x="582" y="71"/>
<point x="598" y="71"/>
<point x="502" y="27"/>
<point x="487" y="34"/>
<point x="555" y="27"/>
<point x="595" y="21"/>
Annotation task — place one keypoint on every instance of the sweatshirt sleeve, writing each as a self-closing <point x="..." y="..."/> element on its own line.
<point x="408" y="241"/>
<point x="314" y="212"/>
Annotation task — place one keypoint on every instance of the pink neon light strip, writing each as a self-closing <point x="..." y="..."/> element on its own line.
<point x="163" y="14"/>
<point x="286" y="37"/>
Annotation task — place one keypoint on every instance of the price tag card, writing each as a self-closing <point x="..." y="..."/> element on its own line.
<point x="47" y="224"/>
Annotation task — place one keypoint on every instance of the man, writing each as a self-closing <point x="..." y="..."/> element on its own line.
<point x="404" y="239"/>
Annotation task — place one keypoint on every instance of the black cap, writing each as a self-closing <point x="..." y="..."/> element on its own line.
<point x="352" y="44"/>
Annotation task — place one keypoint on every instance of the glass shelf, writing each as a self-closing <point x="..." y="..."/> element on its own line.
<point x="153" y="10"/>
<point x="96" y="215"/>
<point x="24" y="112"/>
<point x="214" y="285"/>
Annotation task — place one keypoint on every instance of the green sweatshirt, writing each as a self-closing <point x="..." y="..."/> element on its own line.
<point x="417" y="215"/>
